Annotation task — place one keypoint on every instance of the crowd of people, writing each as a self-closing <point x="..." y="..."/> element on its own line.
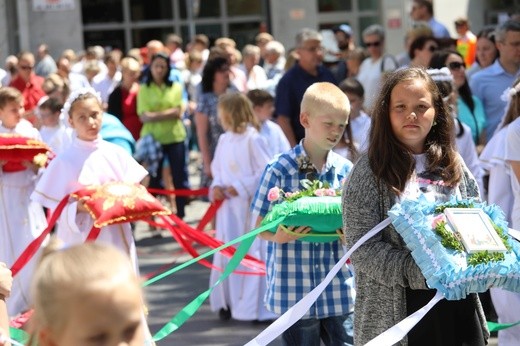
<point x="261" y="117"/>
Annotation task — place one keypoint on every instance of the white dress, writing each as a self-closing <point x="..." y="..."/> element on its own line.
<point x="88" y="163"/>
<point x="503" y="146"/>
<point x="466" y="148"/>
<point x="239" y="161"/>
<point x="360" y="126"/>
<point x="493" y="160"/>
<point x="58" y="137"/>
<point x="277" y="142"/>
<point x="21" y="221"/>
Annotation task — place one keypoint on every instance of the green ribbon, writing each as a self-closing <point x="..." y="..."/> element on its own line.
<point x="495" y="327"/>
<point x="19" y="335"/>
<point x="187" y="312"/>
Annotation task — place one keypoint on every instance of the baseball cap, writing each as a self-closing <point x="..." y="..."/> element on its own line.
<point x="345" y="28"/>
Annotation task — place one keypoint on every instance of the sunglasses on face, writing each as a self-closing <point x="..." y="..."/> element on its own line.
<point x="455" y="65"/>
<point x="372" y="44"/>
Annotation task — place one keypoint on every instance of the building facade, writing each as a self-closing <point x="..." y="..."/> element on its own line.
<point x="125" y="24"/>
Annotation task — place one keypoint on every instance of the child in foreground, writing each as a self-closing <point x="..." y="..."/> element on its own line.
<point x="87" y="294"/>
<point x="294" y="267"/>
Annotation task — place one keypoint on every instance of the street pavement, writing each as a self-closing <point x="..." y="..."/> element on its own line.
<point x="167" y="297"/>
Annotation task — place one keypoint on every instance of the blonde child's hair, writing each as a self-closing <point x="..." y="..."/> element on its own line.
<point x="9" y="94"/>
<point x="324" y="98"/>
<point x="64" y="276"/>
<point x="240" y="111"/>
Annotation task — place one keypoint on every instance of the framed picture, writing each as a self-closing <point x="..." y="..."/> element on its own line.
<point x="475" y="230"/>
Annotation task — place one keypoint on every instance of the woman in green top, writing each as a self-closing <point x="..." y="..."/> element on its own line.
<point x="160" y="108"/>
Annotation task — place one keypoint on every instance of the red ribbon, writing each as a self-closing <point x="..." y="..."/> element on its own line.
<point x="181" y="192"/>
<point x="30" y="250"/>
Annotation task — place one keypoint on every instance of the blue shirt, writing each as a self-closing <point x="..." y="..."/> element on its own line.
<point x="297" y="267"/>
<point x="476" y="120"/>
<point x="438" y="29"/>
<point x="488" y="85"/>
<point x="289" y="94"/>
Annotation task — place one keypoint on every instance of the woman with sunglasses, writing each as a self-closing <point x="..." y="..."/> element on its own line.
<point x="470" y="109"/>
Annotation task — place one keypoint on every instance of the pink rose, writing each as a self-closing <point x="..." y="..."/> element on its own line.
<point x="274" y="194"/>
<point x="330" y="192"/>
<point x="319" y="192"/>
<point x="438" y="220"/>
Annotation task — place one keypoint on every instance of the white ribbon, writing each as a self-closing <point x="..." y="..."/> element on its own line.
<point x="395" y="334"/>
<point x="296" y="312"/>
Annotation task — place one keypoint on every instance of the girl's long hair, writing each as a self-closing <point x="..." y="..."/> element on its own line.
<point x="391" y="161"/>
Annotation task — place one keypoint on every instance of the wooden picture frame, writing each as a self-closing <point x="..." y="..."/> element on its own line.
<point x="475" y="230"/>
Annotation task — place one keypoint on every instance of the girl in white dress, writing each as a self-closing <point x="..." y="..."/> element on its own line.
<point x="89" y="160"/>
<point x="21" y="220"/>
<point x="503" y="151"/>
<point x="240" y="158"/>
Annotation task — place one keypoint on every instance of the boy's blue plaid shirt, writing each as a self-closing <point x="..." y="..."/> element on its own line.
<point x="295" y="268"/>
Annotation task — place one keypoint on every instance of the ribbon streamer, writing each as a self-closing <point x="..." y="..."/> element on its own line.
<point x="297" y="311"/>
<point x="495" y="327"/>
<point x="396" y="333"/>
<point x="178" y="320"/>
<point x="31" y="249"/>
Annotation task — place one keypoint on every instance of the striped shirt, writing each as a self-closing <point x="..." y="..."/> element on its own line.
<point x="295" y="268"/>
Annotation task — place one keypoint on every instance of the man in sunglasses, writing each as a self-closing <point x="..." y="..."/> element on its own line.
<point x="376" y="65"/>
<point x="28" y="83"/>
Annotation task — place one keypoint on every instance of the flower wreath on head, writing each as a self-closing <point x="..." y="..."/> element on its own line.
<point x="440" y="75"/>
<point x="509" y="93"/>
<point x="75" y="95"/>
<point x="317" y="206"/>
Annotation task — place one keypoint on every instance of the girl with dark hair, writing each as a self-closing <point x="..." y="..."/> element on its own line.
<point x="215" y="82"/>
<point x="470" y="109"/>
<point x="411" y="153"/>
<point x="160" y="107"/>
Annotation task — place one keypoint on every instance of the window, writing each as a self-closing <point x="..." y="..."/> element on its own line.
<point x="206" y="8"/>
<point x="244" y="7"/>
<point x="114" y="39"/>
<point x="145" y="10"/>
<point x="244" y="33"/>
<point x="102" y="11"/>
<point x="368" y="5"/>
<point x="334" y="5"/>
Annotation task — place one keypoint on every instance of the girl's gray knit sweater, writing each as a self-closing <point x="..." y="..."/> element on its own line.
<point x="383" y="266"/>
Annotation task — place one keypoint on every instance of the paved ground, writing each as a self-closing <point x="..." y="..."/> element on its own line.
<point x="166" y="297"/>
